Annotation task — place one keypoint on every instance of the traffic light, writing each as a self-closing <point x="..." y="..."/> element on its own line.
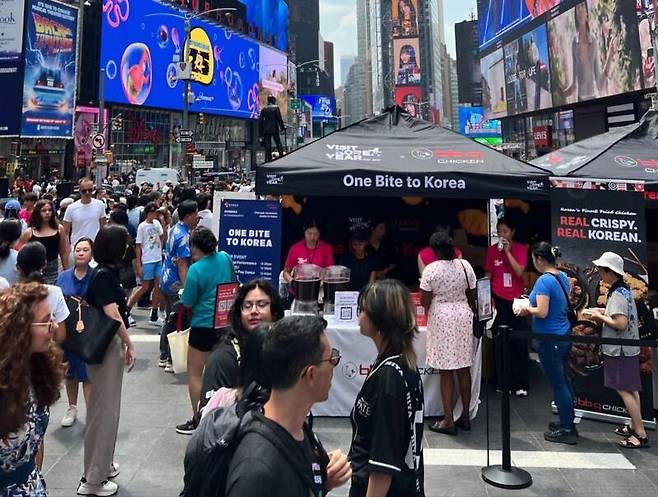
<point x="201" y="119"/>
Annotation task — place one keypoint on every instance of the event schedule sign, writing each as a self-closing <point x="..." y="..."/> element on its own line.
<point x="50" y="69"/>
<point x="589" y="218"/>
<point x="250" y="232"/>
<point x="11" y="48"/>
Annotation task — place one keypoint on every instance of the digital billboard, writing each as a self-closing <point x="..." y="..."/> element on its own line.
<point x="324" y="106"/>
<point x="138" y="48"/>
<point x="273" y="78"/>
<point x="271" y="18"/>
<point x="527" y="73"/>
<point x="595" y="51"/>
<point x="11" y="49"/>
<point x="409" y="98"/>
<point x="406" y="61"/>
<point x="492" y="68"/>
<point x="499" y="17"/>
<point x="50" y="63"/>
<point x="473" y="124"/>
<point x="405" y="18"/>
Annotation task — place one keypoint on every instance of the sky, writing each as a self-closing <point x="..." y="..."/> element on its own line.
<point x="338" y="24"/>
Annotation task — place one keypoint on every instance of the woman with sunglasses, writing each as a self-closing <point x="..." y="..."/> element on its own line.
<point x="210" y="269"/>
<point x="387" y="418"/>
<point x="256" y="302"/>
<point x="30" y="385"/>
<point x="44" y="227"/>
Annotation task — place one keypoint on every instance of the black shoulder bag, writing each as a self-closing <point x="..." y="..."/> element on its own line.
<point x="89" y="330"/>
<point x="571" y="312"/>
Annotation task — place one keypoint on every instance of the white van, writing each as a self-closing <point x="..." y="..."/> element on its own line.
<point x="157" y="176"/>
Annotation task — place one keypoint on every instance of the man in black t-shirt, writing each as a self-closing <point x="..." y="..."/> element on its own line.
<point x="362" y="267"/>
<point x="279" y="456"/>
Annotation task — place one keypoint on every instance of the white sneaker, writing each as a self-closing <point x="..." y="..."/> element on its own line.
<point x="105" y="488"/>
<point x="169" y="368"/>
<point x="131" y="322"/>
<point x="70" y="416"/>
<point x="114" y="470"/>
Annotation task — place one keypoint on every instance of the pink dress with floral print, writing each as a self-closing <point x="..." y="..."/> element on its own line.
<point x="450" y="319"/>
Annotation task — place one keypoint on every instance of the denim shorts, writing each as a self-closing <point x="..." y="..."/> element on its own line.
<point x="152" y="270"/>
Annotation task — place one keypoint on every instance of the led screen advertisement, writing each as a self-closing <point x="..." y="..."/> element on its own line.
<point x="499" y="17"/>
<point x="406" y="61"/>
<point x="138" y="47"/>
<point x="405" y="18"/>
<point x="493" y="85"/>
<point x="324" y="106"/>
<point x="527" y="73"/>
<point x="473" y="124"/>
<point x="50" y="69"/>
<point x="271" y="18"/>
<point x="273" y="78"/>
<point x="11" y="48"/>
<point x="410" y="99"/>
<point x="595" y="51"/>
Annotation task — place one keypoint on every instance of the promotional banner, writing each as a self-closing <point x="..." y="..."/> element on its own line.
<point x="406" y="61"/>
<point x="50" y="62"/>
<point x="590" y="217"/>
<point x="139" y="45"/>
<point x="11" y="47"/>
<point x="609" y="65"/>
<point x="250" y="232"/>
<point x="409" y="98"/>
<point x="527" y="73"/>
<point x="493" y="85"/>
<point x="405" y="18"/>
<point x="273" y="78"/>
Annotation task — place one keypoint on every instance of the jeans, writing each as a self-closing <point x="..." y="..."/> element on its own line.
<point x="171" y="303"/>
<point x="554" y="358"/>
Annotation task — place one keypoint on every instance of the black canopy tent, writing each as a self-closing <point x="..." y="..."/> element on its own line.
<point x="394" y="154"/>
<point x="626" y="153"/>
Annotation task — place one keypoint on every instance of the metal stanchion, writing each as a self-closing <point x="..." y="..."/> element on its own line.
<point x="506" y="476"/>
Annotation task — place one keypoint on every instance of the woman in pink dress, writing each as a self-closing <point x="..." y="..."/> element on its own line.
<point x="450" y="328"/>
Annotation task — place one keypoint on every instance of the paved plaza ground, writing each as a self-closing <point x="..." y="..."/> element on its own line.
<point x="150" y="452"/>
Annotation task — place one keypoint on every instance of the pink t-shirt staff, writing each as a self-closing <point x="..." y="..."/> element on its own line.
<point x="309" y="250"/>
<point x="505" y="283"/>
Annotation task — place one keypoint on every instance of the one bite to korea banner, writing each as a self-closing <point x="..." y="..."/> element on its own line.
<point x="590" y="217"/>
<point x="250" y="232"/>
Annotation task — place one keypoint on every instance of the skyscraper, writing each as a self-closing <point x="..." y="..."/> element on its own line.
<point x="346" y="62"/>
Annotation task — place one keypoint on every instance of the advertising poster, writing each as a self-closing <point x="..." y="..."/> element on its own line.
<point x="409" y="98"/>
<point x="611" y="63"/>
<point x="224" y="299"/>
<point x="270" y="17"/>
<point x="139" y="45"/>
<point x="493" y="85"/>
<point x="405" y="18"/>
<point x="50" y="69"/>
<point x="85" y="119"/>
<point x="473" y="124"/>
<point x="589" y="218"/>
<point x="250" y="232"/>
<point x="406" y="61"/>
<point x="11" y="47"/>
<point x="273" y="78"/>
<point x="498" y="17"/>
<point x="527" y="73"/>
<point x="648" y="54"/>
<point x="324" y="106"/>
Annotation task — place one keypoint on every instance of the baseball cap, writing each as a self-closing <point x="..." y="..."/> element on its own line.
<point x="13" y="204"/>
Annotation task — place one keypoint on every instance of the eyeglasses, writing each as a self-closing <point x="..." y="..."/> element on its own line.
<point x="49" y="324"/>
<point x="334" y="360"/>
<point x="87" y="190"/>
<point x="261" y="305"/>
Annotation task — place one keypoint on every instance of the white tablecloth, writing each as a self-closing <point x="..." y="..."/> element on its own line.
<point x="359" y="352"/>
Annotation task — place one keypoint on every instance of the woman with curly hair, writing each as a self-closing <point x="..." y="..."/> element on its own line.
<point x="46" y="228"/>
<point x="29" y="385"/>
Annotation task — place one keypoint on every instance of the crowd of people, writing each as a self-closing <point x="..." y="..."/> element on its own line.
<point x="155" y="249"/>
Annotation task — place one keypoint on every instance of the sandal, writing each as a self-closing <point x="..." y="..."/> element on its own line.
<point x="629" y="443"/>
<point x="445" y="430"/>
<point x="625" y="431"/>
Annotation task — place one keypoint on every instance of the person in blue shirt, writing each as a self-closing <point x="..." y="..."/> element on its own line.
<point x="549" y="309"/>
<point x="177" y="260"/>
<point x="210" y="269"/>
<point x="74" y="283"/>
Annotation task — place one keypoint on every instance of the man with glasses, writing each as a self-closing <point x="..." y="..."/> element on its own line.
<point x="280" y="456"/>
<point x="85" y="217"/>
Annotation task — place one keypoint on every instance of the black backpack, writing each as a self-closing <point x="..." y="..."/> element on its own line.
<point x="213" y="443"/>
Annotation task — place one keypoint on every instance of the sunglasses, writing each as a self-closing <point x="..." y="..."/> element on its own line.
<point x="334" y="360"/>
